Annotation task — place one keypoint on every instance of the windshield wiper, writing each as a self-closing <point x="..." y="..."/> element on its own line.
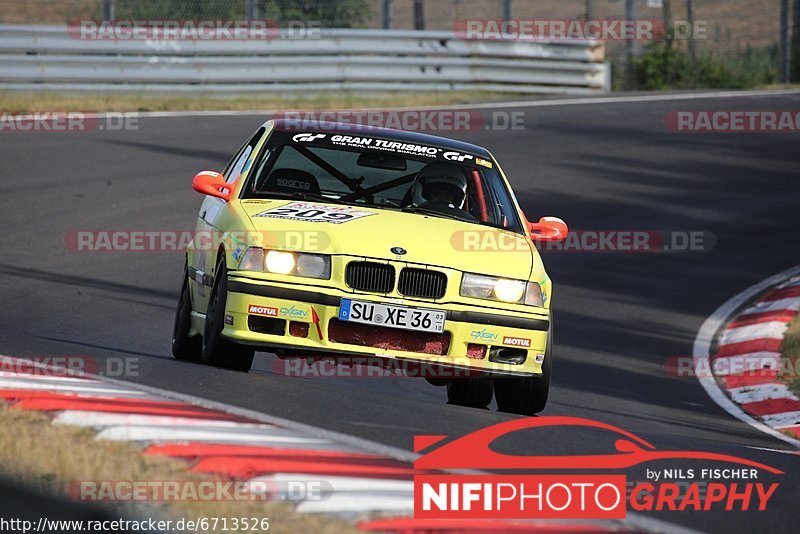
<point x="306" y="196"/>
<point x="436" y="213"/>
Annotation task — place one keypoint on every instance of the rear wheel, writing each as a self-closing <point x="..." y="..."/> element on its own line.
<point x="217" y="350"/>
<point x="185" y="348"/>
<point x="526" y="396"/>
<point x="436" y="381"/>
<point x="471" y="392"/>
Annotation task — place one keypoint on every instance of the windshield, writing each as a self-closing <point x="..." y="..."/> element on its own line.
<point x="382" y="173"/>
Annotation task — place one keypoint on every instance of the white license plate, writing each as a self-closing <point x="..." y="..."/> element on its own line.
<point x="417" y="319"/>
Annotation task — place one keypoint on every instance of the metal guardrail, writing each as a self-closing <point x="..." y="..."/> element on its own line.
<point x="50" y="58"/>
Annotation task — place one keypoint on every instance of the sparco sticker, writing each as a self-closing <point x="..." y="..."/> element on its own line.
<point x="304" y="211"/>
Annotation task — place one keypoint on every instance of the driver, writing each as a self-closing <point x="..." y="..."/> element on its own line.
<point x="440" y="183"/>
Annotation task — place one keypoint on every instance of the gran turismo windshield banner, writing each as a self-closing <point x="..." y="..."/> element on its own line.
<point x="363" y="141"/>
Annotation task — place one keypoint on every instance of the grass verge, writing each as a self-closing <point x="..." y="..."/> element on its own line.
<point x="47" y="457"/>
<point x="14" y="102"/>
<point x="790" y="348"/>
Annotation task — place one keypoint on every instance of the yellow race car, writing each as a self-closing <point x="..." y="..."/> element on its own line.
<point x="351" y="242"/>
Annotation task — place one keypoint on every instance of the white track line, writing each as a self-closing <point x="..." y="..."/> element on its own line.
<point x="343" y="484"/>
<point x="702" y="350"/>
<point x="398" y="493"/>
<point x="89" y="390"/>
<point x="48" y="378"/>
<point x="268" y="435"/>
<point x="45" y="381"/>
<point x="668" y="97"/>
<point x="330" y="486"/>
<point x="109" y="419"/>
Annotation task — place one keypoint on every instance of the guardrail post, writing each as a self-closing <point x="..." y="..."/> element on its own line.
<point x="784" y="43"/>
<point x="667" y="15"/>
<point x="630" y="14"/>
<point x="795" y="74"/>
<point x="506" y="9"/>
<point x="419" y="14"/>
<point x="387" y="14"/>
<point x="251" y="10"/>
<point x="589" y="9"/>
<point x="690" y="20"/>
<point x="108" y="9"/>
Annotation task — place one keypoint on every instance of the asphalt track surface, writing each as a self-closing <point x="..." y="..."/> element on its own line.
<point x="619" y="315"/>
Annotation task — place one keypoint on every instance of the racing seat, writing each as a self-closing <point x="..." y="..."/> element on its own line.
<point x="290" y="181"/>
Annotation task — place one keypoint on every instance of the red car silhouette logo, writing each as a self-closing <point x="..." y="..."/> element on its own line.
<point x="473" y="451"/>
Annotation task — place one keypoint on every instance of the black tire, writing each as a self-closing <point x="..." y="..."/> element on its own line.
<point x="470" y="392"/>
<point x="436" y="381"/>
<point x="526" y="396"/>
<point x="185" y="348"/>
<point x="217" y="350"/>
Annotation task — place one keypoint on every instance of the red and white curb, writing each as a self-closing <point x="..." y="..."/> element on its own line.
<point x="746" y="363"/>
<point x="363" y="479"/>
<point x="212" y="441"/>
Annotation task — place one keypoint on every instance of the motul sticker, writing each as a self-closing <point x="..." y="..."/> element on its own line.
<point x="262" y="310"/>
<point x="516" y="341"/>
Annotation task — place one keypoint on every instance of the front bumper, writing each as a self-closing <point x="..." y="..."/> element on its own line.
<point x="281" y="315"/>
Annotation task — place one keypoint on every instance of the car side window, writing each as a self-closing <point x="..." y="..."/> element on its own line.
<point x="499" y="204"/>
<point x="237" y="164"/>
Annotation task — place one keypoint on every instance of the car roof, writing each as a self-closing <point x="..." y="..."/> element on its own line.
<point x="284" y="125"/>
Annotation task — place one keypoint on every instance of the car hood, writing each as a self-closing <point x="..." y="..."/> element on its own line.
<point x="428" y="240"/>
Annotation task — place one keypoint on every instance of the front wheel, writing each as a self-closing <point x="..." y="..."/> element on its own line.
<point x="217" y="350"/>
<point x="185" y="348"/>
<point x="526" y="396"/>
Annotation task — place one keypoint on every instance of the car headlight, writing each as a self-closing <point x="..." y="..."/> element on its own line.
<point x="282" y="262"/>
<point x="501" y="289"/>
<point x="279" y="262"/>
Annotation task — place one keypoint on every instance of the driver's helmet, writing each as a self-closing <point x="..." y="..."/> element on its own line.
<point x="443" y="182"/>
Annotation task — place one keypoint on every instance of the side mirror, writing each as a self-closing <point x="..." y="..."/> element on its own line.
<point x="548" y="229"/>
<point x="212" y="184"/>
